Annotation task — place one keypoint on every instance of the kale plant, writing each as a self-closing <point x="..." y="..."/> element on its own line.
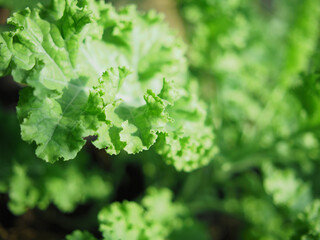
<point x="128" y="132"/>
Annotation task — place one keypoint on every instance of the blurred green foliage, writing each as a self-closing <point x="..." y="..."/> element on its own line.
<point x="258" y="63"/>
<point x="157" y="217"/>
<point x="15" y="5"/>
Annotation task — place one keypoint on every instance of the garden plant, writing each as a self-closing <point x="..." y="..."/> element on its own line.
<point x="115" y="126"/>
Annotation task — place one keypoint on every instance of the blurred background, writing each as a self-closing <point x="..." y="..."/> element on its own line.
<point x="258" y="65"/>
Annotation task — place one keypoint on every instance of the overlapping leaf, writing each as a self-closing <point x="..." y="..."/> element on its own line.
<point x="91" y="70"/>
